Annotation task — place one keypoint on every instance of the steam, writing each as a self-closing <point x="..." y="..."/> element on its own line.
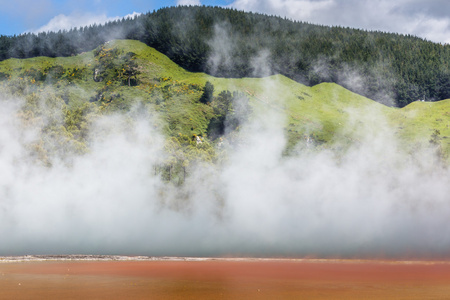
<point x="222" y="46"/>
<point x="373" y="200"/>
<point x="351" y="77"/>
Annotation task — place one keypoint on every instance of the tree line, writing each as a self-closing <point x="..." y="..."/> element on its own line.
<point x="230" y="43"/>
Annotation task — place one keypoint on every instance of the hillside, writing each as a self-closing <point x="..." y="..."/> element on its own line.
<point x="65" y="96"/>
<point x="389" y="68"/>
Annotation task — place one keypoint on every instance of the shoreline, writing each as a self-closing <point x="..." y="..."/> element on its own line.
<point x="143" y="258"/>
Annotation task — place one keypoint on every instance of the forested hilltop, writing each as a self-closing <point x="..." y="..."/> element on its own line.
<point x="230" y="43"/>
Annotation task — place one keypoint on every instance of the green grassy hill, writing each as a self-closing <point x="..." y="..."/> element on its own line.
<point x="124" y="73"/>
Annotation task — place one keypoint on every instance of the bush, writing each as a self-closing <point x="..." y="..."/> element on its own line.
<point x="208" y="92"/>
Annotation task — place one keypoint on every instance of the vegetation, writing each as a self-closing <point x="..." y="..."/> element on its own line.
<point x="64" y="97"/>
<point x="208" y="92"/>
<point x="386" y="66"/>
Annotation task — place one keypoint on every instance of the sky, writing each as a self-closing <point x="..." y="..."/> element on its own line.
<point x="428" y="19"/>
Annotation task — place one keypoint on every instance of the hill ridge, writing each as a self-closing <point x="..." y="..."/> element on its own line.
<point x="318" y="114"/>
<point x="388" y="65"/>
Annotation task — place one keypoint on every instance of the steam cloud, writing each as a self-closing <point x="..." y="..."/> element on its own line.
<point x="372" y="201"/>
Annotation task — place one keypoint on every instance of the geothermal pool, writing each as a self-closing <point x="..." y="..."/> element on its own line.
<point x="110" y="277"/>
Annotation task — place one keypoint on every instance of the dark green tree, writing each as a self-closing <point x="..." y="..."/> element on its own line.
<point x="208" y="92"/>
<point x="230" y="111"/>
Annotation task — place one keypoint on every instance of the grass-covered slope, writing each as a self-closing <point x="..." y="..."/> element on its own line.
<point x="204" y="38"/>
<point x="422" y="123"/>
<point x="123" y="74"/>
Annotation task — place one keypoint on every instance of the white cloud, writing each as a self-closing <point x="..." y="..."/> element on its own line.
<point x="436" y="30"/>
<point x="422" y="18"/>
<point x="63" y="22"/>
<point x="296" y="9"/>
<point x="188" y="2"/>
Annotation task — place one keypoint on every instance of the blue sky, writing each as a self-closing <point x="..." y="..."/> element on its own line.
<point x="19" y="16"/>
<point x="429" y="19"/>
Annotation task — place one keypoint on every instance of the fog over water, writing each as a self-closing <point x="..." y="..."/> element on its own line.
<point x="371" y="201"/>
